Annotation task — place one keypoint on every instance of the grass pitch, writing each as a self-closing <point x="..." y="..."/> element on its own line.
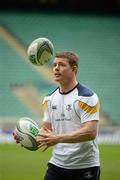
<point x="17" y="163"/>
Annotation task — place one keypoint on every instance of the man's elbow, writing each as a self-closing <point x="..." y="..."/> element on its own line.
<point x="92" y="135"/>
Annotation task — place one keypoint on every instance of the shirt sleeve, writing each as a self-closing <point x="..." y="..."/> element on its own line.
<point x="46" y="109"/>
<point x="89" y="108"/>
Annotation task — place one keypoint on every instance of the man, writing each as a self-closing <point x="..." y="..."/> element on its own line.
<point x="70" y="125"/>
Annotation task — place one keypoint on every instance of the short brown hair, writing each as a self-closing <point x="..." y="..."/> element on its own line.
<point x="72" y="57"/>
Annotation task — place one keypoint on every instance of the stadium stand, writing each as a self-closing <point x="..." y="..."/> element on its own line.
<point x="14" y="74"/>
<point x="94" y="38"/>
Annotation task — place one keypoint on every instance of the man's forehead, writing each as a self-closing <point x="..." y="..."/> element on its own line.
<point x="60" y="59"/>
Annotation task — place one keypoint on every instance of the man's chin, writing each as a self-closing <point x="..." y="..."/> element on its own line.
<point x="57" y="80"/>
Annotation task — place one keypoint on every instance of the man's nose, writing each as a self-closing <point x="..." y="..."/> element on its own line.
<point x="57" y="67"/>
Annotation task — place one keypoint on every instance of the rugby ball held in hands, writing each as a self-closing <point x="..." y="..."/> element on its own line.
<point x="26" y="132"/>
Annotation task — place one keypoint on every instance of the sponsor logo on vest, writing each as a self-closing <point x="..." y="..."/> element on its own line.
<point x="69" y="107"/>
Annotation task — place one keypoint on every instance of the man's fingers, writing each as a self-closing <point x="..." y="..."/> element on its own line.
<point x="14" y="135"/>
<point x="43" y="145"/>
<point x="42" y="135"/>
<point x="45" y="148"/>
<point x="42" y="141"/>
<point x="16" y="138"/>
<point x="46" y="129"/>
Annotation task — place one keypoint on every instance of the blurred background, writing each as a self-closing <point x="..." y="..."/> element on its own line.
<point x="89" y="28"/>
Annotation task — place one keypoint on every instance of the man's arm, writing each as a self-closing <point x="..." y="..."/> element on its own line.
<point x="87" y="132"/>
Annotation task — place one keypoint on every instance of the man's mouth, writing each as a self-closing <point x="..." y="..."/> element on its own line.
<point x="57" y="74"/>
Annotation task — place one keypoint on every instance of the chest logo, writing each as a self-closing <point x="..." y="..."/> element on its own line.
<point x="69" y="107"/>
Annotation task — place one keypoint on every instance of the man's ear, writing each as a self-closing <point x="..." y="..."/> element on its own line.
<point x="74" y="68"/>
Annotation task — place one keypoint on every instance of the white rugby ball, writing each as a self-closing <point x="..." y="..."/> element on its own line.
<point x="40" y="51"/>
<point x="26" y="131"/>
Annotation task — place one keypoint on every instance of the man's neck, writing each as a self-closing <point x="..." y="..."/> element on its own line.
<point x="67" y="87"/>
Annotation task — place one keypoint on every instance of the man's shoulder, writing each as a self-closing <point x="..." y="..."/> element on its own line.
<point x="47" y="99"/>
<point x="87" y="96"/>
<point x="84" y="90"/>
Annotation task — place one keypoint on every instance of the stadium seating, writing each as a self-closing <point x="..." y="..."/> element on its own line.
<point x="14" y="73"/>
<point x="94" y="38"/>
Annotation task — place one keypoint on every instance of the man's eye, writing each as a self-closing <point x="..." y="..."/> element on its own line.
<point x="63" y="65"/>
<point x="54" y="65"/>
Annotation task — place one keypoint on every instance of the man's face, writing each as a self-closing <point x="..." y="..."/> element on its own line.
<point x="62" y="70"/>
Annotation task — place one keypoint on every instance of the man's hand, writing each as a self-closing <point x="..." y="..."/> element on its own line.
<point x="16" y="138"/>
<point x="46" y="138"/>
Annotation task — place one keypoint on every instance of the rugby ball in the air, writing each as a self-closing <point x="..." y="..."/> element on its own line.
<point x="40" y="51"/>
<point x="26" y="131"/>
